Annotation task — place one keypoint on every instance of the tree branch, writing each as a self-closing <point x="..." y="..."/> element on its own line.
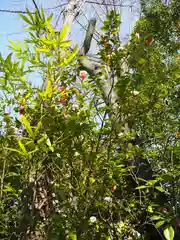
<point x="14" y="11"/>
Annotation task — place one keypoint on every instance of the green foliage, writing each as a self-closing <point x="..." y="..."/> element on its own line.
<point x="69" y="174"/>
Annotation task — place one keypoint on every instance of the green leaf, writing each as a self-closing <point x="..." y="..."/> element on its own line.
<point x="73" y="55"/>
<point x="160" y="189"/>
<point x="42" y="14"/>
<point x="37" y="128"/>
<point x="65" y="44"/>
<point x="72" y="236"/>
<point x="8" y="59"/>
<point x="160" y="223"/>
<point x="25" y="19"/>
<point x="157" y="105"/>
<point x="63" y="32"/>
<point x="44" y="50"/>
<point x="49" y="18"/>
<point x="156" y="217"/>
<point x="142" y="61"/>
<point x="150" y="209"/>
<point x="8" y="189"/>
<point x="22" y="147"/>
<point x="30" y="15"/>
<point x="169" y="232"/>
<point x="42" y="140"/>
<point x="50" y="28"/>
<point x="48" y="142"/>
<point x="27" y="126"/>
<point x="48" y="42"/>
<point x="2" y="81"/>
<point x="142" y="187"/>
<point x="15" y="150"/>
<point x="92" y="180"/>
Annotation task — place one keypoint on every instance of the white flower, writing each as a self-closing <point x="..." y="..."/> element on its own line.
<point x="75" y="106"/>
<point x="137" y="35"/>
<point x="108" y="199"/>
<point x="135" y="93"/>
<point x="93" y="219"/>
<point x="53" y="194"/>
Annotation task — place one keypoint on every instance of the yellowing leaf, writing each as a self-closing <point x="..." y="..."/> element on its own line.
<point x="12" y="43"/>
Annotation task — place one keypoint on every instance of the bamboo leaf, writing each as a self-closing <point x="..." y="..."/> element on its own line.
<point x="63" y="32"/>
<point x="22" y="147"/>
<point x="15" y="150"/>
<point x="48" y="142"/>
<point x="25" y="19"/>
<point x="27" y="126"/>
<point x="37" y="128"/>
<point x="141" y="187"/>
<point x="43" y="50"/>
<point x="159" y="189"/>
<point x="13" y="44"/>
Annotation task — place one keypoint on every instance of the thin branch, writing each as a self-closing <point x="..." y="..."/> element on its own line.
<point x="25" y="12"/>
<point x="111" y="4"/>
<point x="14" y="11"/>
<point x="35" y="5"/>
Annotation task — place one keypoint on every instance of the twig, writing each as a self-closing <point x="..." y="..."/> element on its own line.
<point x="14" y="11"/>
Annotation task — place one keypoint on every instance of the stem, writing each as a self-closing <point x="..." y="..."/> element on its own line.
<point x="2" y="178"/>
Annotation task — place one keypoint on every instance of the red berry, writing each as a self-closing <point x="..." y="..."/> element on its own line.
<point x="113" y="188"/>
<point x="83" y="74"/>
<point x="105" y="41"/>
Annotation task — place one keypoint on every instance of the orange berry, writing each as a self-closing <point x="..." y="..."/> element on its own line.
<point x="149" y="40"/>
<point x="62" y="89"/>
<point x="62" y="100"/>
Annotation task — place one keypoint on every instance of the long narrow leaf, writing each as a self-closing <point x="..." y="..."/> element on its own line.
<point x="63" y="32"/>
<point x="15" y="150"/>
<point x="22" y="147"/>
<point x="27" y="126"/>
<point x="25" y="19"/>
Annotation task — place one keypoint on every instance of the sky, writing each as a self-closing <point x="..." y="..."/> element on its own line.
<point x="12" y="27"/>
